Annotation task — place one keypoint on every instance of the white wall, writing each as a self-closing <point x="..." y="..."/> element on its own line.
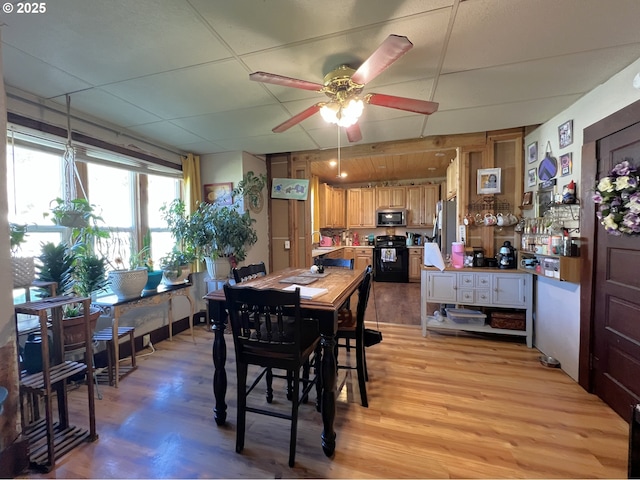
<point x="557" y="322"/>
<point x="231" y="167"/>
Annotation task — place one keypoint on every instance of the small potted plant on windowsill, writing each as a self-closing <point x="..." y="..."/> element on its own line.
<point x="176" y="267"/>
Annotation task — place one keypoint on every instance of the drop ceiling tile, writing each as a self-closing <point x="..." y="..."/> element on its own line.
<point x="250" y="26"/>
<point x="35" y="76"/>
<point x="273" y="143"/>
<point x="494" y="32"/>
<point x="531" y="80"/>
<point x="497" y="117"/>
<point x="104" y="42"/>
<point x="201" y="148"/>
<point x="98" y="103"/>
<point x="213" y="87"/>
<point x="167" y="133"/>
<point x="247" y="122"/>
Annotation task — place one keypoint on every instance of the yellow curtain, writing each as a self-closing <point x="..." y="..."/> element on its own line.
<point x="192" y="191"/>
<point x="192" y="181"/>
<point x="315" y="205"/>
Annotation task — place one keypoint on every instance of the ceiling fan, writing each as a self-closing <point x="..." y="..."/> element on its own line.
<point x="344" y="85"/>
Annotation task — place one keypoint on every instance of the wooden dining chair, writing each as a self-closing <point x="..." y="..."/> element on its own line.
<point x="269" y="331"/>
<point x="249" y="272"/>
<point x="335" y="262"/>
<point x="344" y="313"/>
<point x="355" y="331"/>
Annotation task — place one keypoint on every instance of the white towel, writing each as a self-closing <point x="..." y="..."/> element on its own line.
<point x="389" y="255"/>
<point x="433" y="256"/>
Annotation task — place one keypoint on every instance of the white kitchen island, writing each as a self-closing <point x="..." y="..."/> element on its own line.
<point x="476" y="287"/>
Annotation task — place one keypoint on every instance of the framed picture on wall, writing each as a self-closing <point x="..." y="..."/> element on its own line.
<point x="488" y="181"/>
<point x="565" y="134"/>
<point x="220" y="193"/>
<point x="531" y="177"/>
<point x="533" y="152"/>
<point x="566" y="164"/>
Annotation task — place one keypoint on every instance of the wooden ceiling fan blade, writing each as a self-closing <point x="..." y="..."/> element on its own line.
<point x="303" y="115"/>
<point x="401" y="103"/>
<point x="353" y="133"/>
<point x="388" y="52"/>
<point x="265" y="77"/>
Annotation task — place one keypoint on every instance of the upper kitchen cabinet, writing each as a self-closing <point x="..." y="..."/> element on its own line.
<point x="361" y="211"/>
<point x="452" y="180"/>
<point x="332" y="207"/>
<point x="391" y="197"/>
<point x="421" y="205"/>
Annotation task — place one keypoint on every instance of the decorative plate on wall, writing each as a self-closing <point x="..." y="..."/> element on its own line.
<point x="548" y="168"/>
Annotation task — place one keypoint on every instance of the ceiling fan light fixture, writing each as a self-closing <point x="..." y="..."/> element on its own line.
<point x="343" y="115"/>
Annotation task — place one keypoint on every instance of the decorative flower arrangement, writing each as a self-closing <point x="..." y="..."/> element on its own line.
<point x="618" y="195"/>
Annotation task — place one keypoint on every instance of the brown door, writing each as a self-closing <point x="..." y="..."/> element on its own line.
<point x="616" y="340"/>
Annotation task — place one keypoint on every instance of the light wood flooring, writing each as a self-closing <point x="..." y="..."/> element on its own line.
<point x="444" y="406"/>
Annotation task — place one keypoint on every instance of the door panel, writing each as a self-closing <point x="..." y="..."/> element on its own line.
<point x="616" y="327"/>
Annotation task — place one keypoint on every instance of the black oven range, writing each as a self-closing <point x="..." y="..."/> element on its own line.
<point x="391" y="259"/>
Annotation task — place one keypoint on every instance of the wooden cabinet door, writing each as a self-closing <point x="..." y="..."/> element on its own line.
<point x="383" y="197"/>
<point x="364" y="258"/>
<point x="338" y="206"/>
<point x="415" y="206"/>
<point x="391" y="197"/>
<point x="415" y="261"/>
<point x="368" y="207"/>
<point x="452" y="180"/>
<point x="354" y="207"/>
<point x="325" y="200"/>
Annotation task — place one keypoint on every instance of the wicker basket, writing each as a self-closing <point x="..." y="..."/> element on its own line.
<point x="23" y="271"/>
<point x="508" y="320"/>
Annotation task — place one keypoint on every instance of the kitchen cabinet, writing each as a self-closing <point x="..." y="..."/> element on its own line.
<point x="332" y="207"/>
<point x="363" y="257"/>
<point x="361" y="208"/>
<point x="415" y="263"/>
<point x="477" y="287"/>
<point x="391" y="197"/>
<point x="348" y="253"/>
<point x="452" y="180"/>
<point x="563" y="269"/>
<point x="421" y="205"/>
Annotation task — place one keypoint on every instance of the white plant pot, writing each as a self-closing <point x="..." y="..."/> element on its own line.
<point x="171" y="277"/>
<point x="218" y="268"/>
<point x="128" y="283"/>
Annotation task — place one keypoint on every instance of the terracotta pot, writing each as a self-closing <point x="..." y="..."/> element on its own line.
<point x="73" y="329"/>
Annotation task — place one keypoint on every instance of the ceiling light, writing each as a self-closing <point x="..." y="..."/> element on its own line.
<point x="636" y="81"/>
<point x="439" y="154"/>
<point x="344" y="114"/>
<point x="333" y="163"/>
<point x="343" y="174"/>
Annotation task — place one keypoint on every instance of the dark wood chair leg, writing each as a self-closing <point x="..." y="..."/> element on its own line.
<point x="360" y="368"/>
<point x="269" y="385"/>
<point x="242" y="405"/>
<point x="294" y="418"/>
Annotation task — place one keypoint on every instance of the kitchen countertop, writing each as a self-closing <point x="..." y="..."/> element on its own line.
<point x="475" y="269"/>
<point x="316" y="252"/>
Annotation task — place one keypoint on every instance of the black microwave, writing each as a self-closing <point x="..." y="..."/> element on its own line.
<point x="391" y="217"/>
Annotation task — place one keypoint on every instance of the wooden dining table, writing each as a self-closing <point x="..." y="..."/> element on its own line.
<point x="340" y="284"/>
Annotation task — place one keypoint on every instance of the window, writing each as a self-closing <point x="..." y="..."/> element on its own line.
<point x="35" y="177"/>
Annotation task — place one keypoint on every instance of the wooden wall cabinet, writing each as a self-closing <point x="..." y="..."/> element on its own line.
<point x="421" y="205"/>
<point x="415" y="263"/>
<point x="387" y="197"/>
<point x="332" y="207"/>
<point x="361" y="208"/>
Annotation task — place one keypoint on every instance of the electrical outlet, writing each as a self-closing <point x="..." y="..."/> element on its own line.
<point x="287" y="244"/>
<point x="146" y="340"/>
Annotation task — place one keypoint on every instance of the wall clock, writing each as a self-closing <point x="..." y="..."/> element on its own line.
<point x="548" y="168"/>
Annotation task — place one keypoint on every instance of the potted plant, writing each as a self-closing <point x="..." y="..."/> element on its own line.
<point x="23" y="267"/>
<point x="176" y="266"/>
<point x="76" y="213"/>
